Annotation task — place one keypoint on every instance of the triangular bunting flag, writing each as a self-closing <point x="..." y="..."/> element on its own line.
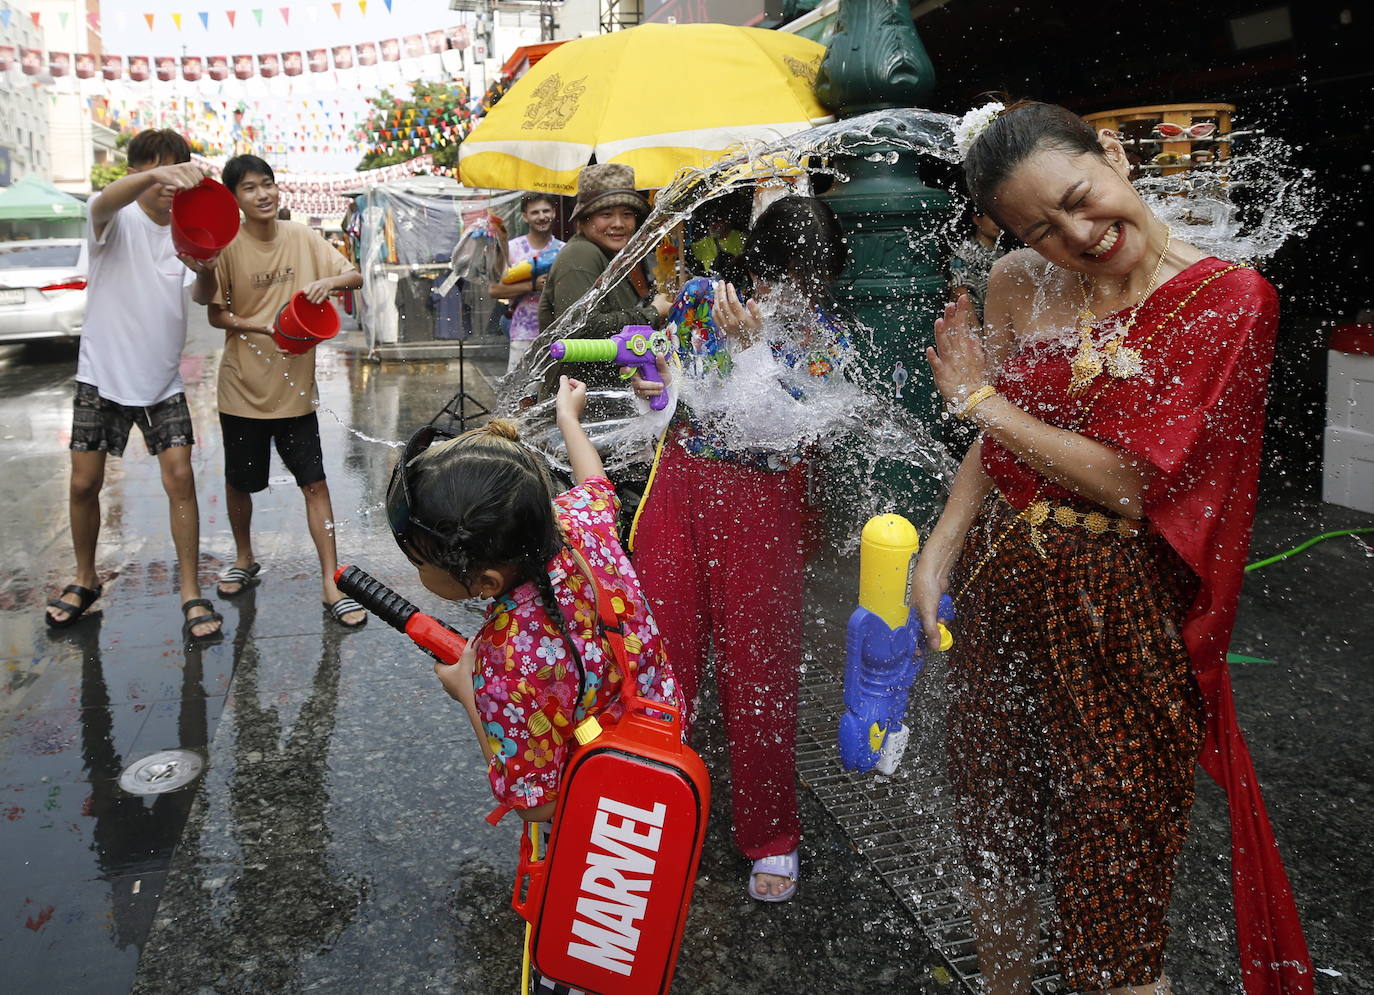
<point x="149" y="19"/>
<point x="388" y="6"/>
<point x="5" y="17"/>
<point x="257" y="13"/>
<point x="93" y="19"/>
<point x="204" y="16"/>
<point x="362" y="6"/>
<point x="285" y="15"/>
<point x="338" y="9"/>
<point x="231" y="14"/>
<point x="176" y="19"/>
<point x="62" y="16"/>
<point x="35" y="16"/>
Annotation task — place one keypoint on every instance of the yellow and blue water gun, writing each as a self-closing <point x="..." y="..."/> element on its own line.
<point x="884" y="648"/>
<point x="532" y="268"/>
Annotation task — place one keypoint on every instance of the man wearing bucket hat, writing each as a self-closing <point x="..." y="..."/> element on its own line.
<point x="128" y="372"/>
<point x="267" y="394"/>
<point x="608" y="211"/>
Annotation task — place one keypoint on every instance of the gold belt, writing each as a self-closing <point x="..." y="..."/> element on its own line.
<point x="1037" y="513"/>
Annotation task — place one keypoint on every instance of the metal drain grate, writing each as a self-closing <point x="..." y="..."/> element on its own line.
<point x="158" y="773"/>
<point x="902" y="824"/>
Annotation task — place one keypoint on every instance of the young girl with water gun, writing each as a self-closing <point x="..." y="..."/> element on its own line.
<point x="479" y="517"/>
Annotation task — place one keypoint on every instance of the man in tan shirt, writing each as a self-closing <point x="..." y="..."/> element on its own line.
<point x="266" y="395"/>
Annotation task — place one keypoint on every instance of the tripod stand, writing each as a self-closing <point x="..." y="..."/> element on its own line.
<point x="460" y="407"/>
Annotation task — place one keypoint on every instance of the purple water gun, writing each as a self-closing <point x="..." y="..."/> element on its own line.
<point x="633" y="345"/>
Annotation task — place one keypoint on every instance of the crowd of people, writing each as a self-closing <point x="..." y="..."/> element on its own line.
<point x="1093" y="538"/>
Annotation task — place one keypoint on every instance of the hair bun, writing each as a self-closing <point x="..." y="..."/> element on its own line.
<point x="503" y="429"/>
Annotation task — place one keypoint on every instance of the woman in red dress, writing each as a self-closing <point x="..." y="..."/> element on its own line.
<point x="1094" y="541"/>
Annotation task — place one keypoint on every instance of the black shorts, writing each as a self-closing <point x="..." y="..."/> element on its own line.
<point x="102" y="426"/>
<point x="248" y="450"/>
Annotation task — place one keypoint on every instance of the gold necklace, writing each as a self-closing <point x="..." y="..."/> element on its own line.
<point x="1120" y="360"/>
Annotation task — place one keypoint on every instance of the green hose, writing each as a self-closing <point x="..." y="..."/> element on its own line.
<point x="1298" y="549"/>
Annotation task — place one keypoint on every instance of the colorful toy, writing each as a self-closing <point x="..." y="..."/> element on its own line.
<point x="884" y="648"/>
<point x="436" y="638"/>
<point x="633" y="345"/>
<point x="532" y="268"/>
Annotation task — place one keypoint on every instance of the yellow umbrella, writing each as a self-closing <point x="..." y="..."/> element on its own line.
<point x="657" y="97"/>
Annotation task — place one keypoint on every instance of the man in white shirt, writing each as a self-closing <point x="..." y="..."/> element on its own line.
<point x="128" y="372"/>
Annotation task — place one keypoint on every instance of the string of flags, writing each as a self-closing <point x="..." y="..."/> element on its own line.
<point x="181" y="22"/>
<point x="267" y="65"/>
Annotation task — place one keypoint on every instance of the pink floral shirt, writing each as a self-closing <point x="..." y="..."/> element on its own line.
<point x="525" y="679"/>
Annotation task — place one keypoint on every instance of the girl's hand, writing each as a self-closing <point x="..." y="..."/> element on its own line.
<point x="571" y="400"/>
<point x="958" y="362"/>
<point x="647" y="388"/>
<point x="457" y="677"/>
<point x="735" y="318"/>
<point x="662" y="303"/>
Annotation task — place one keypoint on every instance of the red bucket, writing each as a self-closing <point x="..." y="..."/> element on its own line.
<point x="300" y="325"/>
<point x="205" y="219"/>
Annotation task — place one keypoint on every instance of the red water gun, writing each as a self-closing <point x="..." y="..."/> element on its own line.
<point x="439" y="639"/>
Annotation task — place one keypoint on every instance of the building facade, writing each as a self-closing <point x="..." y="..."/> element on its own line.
<point x="24" y="148"/>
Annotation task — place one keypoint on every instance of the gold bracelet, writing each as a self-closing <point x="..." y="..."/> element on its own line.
<point x="976" y="398"/>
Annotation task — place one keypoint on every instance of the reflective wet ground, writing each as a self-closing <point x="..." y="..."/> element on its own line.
<point x="335" y="840"/>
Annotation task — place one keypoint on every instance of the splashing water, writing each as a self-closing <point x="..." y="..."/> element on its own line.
<point x="1242" y="208"/>
<point x="850" y="414"/>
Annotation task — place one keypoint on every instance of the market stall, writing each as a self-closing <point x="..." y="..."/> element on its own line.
<point x="422" y="279"/>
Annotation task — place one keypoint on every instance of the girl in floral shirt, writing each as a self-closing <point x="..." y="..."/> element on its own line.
<point x="478" y="517"/>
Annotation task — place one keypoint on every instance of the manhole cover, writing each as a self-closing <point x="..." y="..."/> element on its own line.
<point x="160" y="772"/>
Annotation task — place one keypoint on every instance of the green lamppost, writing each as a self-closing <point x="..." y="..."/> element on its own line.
<point x="894" y="283"/>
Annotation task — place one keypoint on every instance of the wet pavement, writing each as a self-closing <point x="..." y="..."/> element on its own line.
<point x="335" y="840"/>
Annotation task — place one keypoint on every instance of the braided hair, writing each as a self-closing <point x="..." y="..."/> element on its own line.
<point x="490" y="501"/>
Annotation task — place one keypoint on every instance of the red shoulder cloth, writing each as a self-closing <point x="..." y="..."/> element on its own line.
<point x="1196" y="415"/>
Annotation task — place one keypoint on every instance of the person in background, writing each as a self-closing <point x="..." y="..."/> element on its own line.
<point x="266" y="395"/>
<point x="538" y="210"/>
<point x="129" y="369"/>
<point x="971" y="259"/>
<point x="608" y="211"/>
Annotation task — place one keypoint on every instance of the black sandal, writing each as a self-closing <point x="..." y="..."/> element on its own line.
<point x="86" y="598"/>
<point x="346" y="606"/>
<point x="244" y="577"/>
<point x="187" y="636"/>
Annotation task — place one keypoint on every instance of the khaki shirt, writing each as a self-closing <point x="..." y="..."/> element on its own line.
<point x="256" y="279"/>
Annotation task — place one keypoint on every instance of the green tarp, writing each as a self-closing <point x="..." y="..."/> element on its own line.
<point x="34" y="199"/>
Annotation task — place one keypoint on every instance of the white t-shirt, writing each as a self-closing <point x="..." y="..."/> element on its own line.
<point x="136" y="302"/>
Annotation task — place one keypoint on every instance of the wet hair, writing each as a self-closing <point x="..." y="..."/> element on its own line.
<point x="157" y="147"/>
<point x="530" y="199"/>
<point x="1017" y="133"/>
<point x="798" y="239"/>
<point x="491" y="500"/>
<point x="240" y="166"/>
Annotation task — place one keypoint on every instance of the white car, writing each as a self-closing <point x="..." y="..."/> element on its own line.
<point x="42" y="289"/>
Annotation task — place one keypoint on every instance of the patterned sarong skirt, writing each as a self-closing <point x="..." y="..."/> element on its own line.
<point x="1074" y="729"/>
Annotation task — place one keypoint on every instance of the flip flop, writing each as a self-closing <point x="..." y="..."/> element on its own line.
<point x="189" y="637"/>
<point x="784" y="865"/>
<point x="345" y="606"/>
<point x="237" y="575"/>
<point x="86" y="597"/>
